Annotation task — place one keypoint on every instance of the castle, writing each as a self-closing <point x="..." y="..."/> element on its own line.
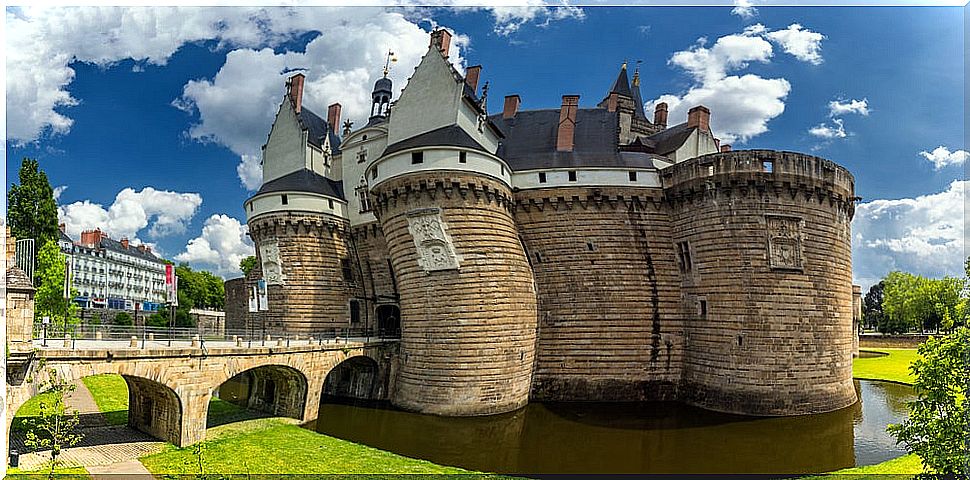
<point x="564" y="253"/>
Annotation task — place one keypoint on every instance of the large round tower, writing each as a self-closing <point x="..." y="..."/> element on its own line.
<point x="468" y="305"/>
<point x="763" y="242"/>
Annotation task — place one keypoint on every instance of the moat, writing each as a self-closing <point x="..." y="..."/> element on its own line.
<point x="633" y="437"/>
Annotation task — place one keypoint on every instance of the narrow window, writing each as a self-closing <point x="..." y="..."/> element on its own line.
<point x="572" y="175"/>
<point x="285" y="200"/>
<point x="373" y="172"/>
<point x="250" y="206"/>
<point x="503" y="169"/>
<point x="590" y="246"/>
<point x="330" y="203"/>
<point x="740" y="340"/>
<point x="767" y="166"/>
<point x="348" y="271"/>
<point x="354" y="311"/>
<point x="463" y="157"/>
<point x="538" y="257"/>
<point x="542" y="177"/>
<point x="702" y="308"/>
<point x="364" y="199"/>
<point x="417" y="157"/>
<point x="683" y="254"/>
<point x="633" y="176"/>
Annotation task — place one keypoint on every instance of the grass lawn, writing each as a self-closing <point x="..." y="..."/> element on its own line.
<point x="110" y="392"/>
<point x="61" y="473"/>
<point x="894" y="366"/>
<point x="276" y="446"/>
<point x="29" y="409"/>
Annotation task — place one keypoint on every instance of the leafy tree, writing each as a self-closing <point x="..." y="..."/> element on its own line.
<point x="157" y="320"/>
<point x="49" y="300"/>
<point x="31" y="209"/>
<point x="247" y="264"/>
<point x="54" y="427"/>
<point x="939" y="419"/>
<point x="123" y="319"/>
<point x="872" y="305"/>
<point x="925" y="303"/>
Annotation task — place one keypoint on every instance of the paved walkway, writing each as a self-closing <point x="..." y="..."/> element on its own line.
<point x="82" y="401"/>
<point x="132" y="469"/>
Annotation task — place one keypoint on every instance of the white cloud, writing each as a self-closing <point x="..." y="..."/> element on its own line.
<point x="805" y="45"/>
<point x="922" y="235"/>
<point x="744" y="9"/>
<point x="943" y="157"/>
<point x="842" y="107"/>
<point x="165" y="213"/>
<point x="730" y="52"/>
<point x="250" y="172"/>
<point x="58" y="190"/>
<point x="221" y="246"/>
<point x="828" y="132"/>
<point x="508" y="19"/>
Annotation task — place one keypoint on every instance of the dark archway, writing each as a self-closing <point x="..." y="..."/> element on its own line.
<point x="354" y="378"/>
<point x="271" y="390"/>
<point x="154" y="409"/>
<point x="389" y="321"/>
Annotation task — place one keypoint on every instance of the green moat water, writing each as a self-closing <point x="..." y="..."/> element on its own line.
<point x="633" y="437"/>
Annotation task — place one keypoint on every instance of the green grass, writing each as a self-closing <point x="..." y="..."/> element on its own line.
<point x="279" y="447"/>
<point x="893" y="367"/>
<point x="110" y="392"/>
<point x="29" y="409"/>
<point x="61" y="473"/>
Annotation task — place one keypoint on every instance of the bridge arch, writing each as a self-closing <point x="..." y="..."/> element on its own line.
<point x="353" y="378"/>
<point x="274" y="389"/>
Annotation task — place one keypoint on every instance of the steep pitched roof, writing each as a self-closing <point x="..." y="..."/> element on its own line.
<point x="17" y="280"/>
<point x="318" y="129"/>
<point x="670" y="139"/>
<point x="304" y="180"/>
<point x="622" y="83"/>
<point x="637" y="100"/>
<point x="452" y="135"/>
<point x="63" y="237"/>
<point x="133" y="251"/>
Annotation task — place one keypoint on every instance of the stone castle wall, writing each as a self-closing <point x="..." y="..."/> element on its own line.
<point x="468" y="338"/>
<point x="372" y="265"/>
<point x="610" y="312"/>
<point x="769" y="273"/>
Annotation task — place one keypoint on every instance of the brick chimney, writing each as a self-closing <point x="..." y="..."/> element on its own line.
<point x="660" y="115"/>
<point x="124" y="243"/>
<point x="511" y="106"/>
<point x="725" y="148"/>
<point x="471" y="76"/>
<point x="333" y="117"/>
<point x="141" y="248"/>
<point x="294" y="87"/>
<point x="92" y="237"/>
<point x="441" y="40"/>
<point x="700" y="117"/>
<point x="567" y="123"/>
<point x="612" y="101"/>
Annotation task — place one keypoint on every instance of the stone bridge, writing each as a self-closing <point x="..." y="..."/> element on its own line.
<point x="169" y="388"/>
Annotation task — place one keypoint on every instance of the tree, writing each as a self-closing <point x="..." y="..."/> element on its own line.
<point x="49" y="300"/>
<point x="872" y="305"/>
<point x="31" y="209"/>
<point x="939" y="417"/>
<point x="247" y="264"/>
<point x="54" y="427"/>
<point x="925" y="303"/>
<point x="123" y="319"/>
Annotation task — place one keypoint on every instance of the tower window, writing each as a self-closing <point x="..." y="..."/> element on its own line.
<point x="373" y="172"/>
<point x="346" y="269"/>
<point x="284" y="199"/>
<point x="572" y="175"/>
<point x="250" y="206"/>
<point x="354" y="311"/>
<point x="503" y="169"/>
<point x="364" y="199"/>
<point x="542" y="177"/>
<point x="417" y="157"/>
<point x="330" y="203"/>
<point x="683" y="254"/>
<point x="463" y="157"/>
<point x="633" y="176"/>
<point x="767" y="166"/>
<point x="702" y="308"/>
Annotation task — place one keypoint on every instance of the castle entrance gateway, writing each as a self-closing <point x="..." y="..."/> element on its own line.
<point x="389" y="320"/>
<point x="276" y="390"/>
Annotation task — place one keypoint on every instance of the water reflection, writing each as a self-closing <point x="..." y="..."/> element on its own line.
<point x="633" y="437"/>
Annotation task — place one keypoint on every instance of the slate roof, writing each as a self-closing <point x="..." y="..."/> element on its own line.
<point x="452" y="135"/>
<point x="304" y="180"/>
<point x="671" y="139"/>
<point x="133" y="251"/>
<point x="64" y="237"/>
<point x="530" y="141"/>
<point x="622" y="83"/>
<point x="638" y="103"/>
<point x="317" y="130"/>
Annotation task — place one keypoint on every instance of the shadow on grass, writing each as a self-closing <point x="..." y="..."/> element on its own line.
<point x="222" y="412"/>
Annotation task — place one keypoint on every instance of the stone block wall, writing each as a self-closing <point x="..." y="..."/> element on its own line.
<point x="372" y="266"/>
<point x="768" y="277"/>
<point x="610" y="312"/>
<point x="468" y="303"/>
<point x="237" y="304"/>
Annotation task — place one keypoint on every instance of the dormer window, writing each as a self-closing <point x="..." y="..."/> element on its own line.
<point x="462" y="157"/>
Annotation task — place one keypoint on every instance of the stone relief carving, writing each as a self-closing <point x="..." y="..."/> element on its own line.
<point x="269" y="254"/>
<point x="435" y="248"/>
<point x="784" y="242"/>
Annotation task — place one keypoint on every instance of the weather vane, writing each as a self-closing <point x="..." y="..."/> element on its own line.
<point x="387" y="63"/>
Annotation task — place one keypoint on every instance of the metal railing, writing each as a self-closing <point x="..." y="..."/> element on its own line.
<point x="50" y="335"/>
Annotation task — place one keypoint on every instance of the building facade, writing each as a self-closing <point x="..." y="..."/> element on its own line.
<point x="111" y="274"/>
<point x="568" y="253"/>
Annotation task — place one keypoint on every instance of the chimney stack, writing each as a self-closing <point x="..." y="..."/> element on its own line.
<point x="700" y="117"/>
<point x="567" y="123"/>
<point x="725" y="148"/>
<point x="295" y="90"/>
<point x="441" y="39"/>
<point x="124" y="243"/>
<point x="62" y="227"/>
<point x="92" y="237"/>
<point x="333" y="117"/>
<point x="471" y="76"/>
<point x="511" y="106"/>
<point x="612" y="101"/>
<point x="141" y="248"/>
<point x="660" y="115"/>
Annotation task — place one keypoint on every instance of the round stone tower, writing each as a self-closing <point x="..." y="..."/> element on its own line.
<point x="763" y="242"/>
<point x="468" y="303"/>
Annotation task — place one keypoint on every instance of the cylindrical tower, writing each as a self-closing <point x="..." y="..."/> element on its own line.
<point x="763" y="242"/>
<point x="468" y="305"/>
<point x="301" y="247"/>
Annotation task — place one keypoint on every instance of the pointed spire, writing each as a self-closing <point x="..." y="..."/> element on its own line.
<point x="622" y="84"/>
<point x="637" y="100"/>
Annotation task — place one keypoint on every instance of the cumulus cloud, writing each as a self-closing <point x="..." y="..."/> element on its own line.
<point x="943" y="157"/>
<point x="221" y="246"/>
<point x="58" y="190"/>
<point x="922" y="235"/>
<point x="842" y="107"/>
<point x="508" y="19"/>
<point x="829" y="132"/>
<point x="804" y="45"/>
<point x="744" y="9"/>
<point x="741" y="104"/>
<point x="164" y="213"/>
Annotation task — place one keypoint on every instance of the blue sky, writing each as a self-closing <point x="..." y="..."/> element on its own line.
<point x="152" y="130"/>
